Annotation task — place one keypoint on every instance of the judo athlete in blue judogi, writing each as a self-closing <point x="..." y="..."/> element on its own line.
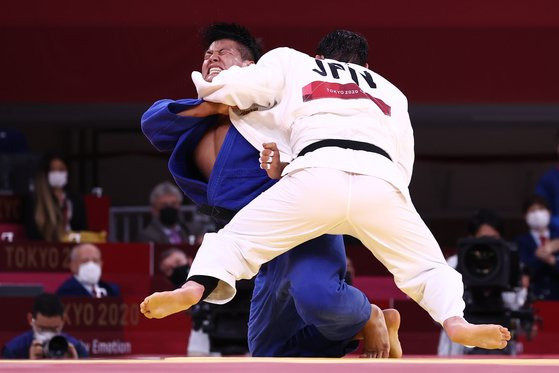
<point x="301" y="305"/>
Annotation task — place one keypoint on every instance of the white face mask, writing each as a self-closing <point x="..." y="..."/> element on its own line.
<point x="57" y="179"/>
<point x="538" y="219"/>
<point x="89" y="273"/>
<point x="42" y="337"/>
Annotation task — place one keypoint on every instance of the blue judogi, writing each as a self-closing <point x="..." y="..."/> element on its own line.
<point x="301" y="305"/>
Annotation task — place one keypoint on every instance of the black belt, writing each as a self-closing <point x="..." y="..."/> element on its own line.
<point x="217" y="212"/>
<point x="346" y="144"/>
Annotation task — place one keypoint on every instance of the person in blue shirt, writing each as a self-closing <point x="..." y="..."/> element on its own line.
<point x="539" y="249"/>
<point x="301" y="304"/>
<point x="46" y="320"/>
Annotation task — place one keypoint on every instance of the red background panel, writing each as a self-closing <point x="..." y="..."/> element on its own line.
<point x="136" y="51"/>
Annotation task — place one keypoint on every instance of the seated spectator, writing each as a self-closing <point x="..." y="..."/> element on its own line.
<point x="52" y="211"/>
<point x="166" y="225"/>
<point x="174" y="264"/>
<point x="86" y="266"/>
<point x="46" y="320"/>
<point x="539" y="249"/>
<point x="548" y="188"/>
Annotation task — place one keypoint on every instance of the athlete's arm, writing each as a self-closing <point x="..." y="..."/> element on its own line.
<point x="163" y="125"/>
<point x="205" y="109"/>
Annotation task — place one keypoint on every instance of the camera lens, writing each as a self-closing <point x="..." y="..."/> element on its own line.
<point x="481" y="261"/>
<point x="57" y="347"/>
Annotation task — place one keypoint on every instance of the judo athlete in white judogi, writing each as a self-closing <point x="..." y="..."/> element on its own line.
<point x="349" y="134"/>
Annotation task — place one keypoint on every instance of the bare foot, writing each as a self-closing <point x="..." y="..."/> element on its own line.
<point x="392" y="318"/>
<point x="489" y="336"/>
<point x="162" y="304"/>
<point x="376" y="343"/>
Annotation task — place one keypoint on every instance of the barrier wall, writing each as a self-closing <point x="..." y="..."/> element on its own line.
<point x="115" y="327"/>
<point x="107" y="326"/>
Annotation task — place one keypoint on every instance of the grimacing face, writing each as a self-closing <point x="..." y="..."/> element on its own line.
<point x="221" y="55"/>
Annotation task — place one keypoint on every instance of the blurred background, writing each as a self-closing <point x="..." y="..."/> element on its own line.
<point x="75" y="77"/>
<point x="480" y="77"/>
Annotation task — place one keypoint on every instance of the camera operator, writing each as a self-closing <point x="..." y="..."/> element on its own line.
<point x="483" y="303"/>
<point x="45" y="340"/>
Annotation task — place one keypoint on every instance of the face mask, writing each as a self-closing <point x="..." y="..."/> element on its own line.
<point x="43" y="337"/>
<point x="179" y="275"/>
<point x="169" y="216"/>
<point x="538" y="219"/>
<point x="89" y="273"/>
<point x="57" y="179"/>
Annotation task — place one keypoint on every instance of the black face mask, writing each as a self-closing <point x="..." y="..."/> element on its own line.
<point x="179" y="275"/>
<point x="169" y="216"/>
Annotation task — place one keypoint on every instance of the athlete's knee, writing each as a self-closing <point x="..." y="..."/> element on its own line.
<point x="330" y="304"/>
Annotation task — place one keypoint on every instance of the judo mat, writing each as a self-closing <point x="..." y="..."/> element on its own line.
<point x="289" y="365"/>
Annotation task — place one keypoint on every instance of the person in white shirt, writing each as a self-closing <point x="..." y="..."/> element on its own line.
<point x="347" y="134"/>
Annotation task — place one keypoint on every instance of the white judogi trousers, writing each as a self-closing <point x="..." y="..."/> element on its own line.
<point x="315" y="201"/>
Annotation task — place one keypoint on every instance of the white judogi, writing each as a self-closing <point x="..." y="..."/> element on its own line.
<point x="300" y="101"/>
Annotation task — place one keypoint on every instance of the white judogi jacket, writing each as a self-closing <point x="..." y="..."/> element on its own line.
<point x="299" y="100"/>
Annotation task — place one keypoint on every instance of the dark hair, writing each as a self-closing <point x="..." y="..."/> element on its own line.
<point x="485" y="216"/>
<point x="535" y="199"/>
<point x="47" y="213"/>
<point x="252" y="48"/>
<point x="47" y="304"/>
<point x="167" y="253"/>
<point x="46" y="159"/>
<point x="344" y="46"/>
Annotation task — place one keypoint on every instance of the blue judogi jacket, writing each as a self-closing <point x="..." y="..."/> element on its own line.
<point x="237" y="162"/>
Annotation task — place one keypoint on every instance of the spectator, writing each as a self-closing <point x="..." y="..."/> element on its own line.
<point x="52" y="210"/>
<point x="166" y="225"/>
<point x="86" y="266"/>
<point x="46" y="320"/>
<point x="174" y="264"/>
<point x="548" y="188"/>
<point x="539" y="249"/>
